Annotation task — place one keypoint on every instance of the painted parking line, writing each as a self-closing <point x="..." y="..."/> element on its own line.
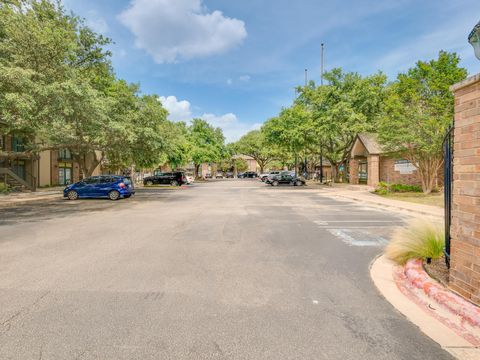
<point x="357" y="224"/>
<point x="354" y="237"/>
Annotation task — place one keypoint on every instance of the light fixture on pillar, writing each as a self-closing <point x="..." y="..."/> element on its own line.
<point x="474" y="39"/>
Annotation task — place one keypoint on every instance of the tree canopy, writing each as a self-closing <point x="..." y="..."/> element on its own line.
<point x="418" y="111"/>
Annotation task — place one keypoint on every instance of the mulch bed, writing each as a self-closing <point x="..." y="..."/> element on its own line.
<point x="438" y="270"/>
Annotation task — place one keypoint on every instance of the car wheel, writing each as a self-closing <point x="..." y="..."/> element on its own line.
<point x="149" y="183"/>
<point x="114" y="195"/>
<point x="72" y="195"/>
<point x="174" y="183"/>
<point x="275" y="183"/>
<point x="299" y="183"/>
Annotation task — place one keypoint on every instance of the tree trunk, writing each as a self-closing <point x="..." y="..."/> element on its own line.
<point x="262" y="167"/>
<point x="296" y="164"/>
<point x="197" y="167"/>
<point x="334" y="175"/>
<point x="132" y="173"/>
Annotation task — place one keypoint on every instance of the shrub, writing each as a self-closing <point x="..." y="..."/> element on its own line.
<point x="384" y="188"/>
<point x="420" y="240"/>
<point x="4" y="188"/>
<point x="405" y="188"/>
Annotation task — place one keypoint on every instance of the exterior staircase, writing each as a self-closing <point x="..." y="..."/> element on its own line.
<point x="14" y="181"/>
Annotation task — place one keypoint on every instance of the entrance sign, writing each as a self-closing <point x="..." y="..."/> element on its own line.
<point x="404" y="167"/>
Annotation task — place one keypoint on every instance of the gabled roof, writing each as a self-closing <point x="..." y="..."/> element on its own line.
<point x="244" y="157"/>
<point x="370" y="141"/>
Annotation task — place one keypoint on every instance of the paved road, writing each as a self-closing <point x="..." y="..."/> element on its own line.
<point x="225" y="270"/>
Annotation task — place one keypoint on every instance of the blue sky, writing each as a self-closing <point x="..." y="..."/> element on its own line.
<point x="236" y="63"/>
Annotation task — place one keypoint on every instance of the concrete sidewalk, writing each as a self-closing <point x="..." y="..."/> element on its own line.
<point x="447" y="327"/>
<point x="18" y="198"/>
<point x="364" y="195"/>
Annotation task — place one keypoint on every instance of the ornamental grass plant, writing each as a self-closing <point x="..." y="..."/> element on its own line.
<point x="419" y="240"/>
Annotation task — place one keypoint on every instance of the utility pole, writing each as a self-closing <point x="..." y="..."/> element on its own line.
<point x="321" y="67"/>
<point x="321" y="147"/>
<point x="305" y="171"/>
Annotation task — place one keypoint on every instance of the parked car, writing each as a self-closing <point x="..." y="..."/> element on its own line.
<point x="168" y="178"/>
<point x="190" y="179"/>
<point x="248" y="175"/>
<point x="229" y="175"/>
<point x="113" y="187"/>
<point x="219" y="175"/>
<point x="285" y="178"/>
<point x="264" y="177"/>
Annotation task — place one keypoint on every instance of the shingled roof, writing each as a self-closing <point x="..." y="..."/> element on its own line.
<point x="370" y="141"/>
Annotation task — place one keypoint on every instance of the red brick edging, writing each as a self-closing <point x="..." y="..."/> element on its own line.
<point x="417" y="276"/>
<point x="413" y="281"/>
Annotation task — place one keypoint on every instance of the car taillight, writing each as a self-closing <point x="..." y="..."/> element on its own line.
<point x="122" y="185"/>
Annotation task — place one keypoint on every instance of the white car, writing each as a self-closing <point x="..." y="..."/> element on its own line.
<point x="190" y="179"/>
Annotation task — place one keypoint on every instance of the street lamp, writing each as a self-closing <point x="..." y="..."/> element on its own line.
<point x="474" y="39"/>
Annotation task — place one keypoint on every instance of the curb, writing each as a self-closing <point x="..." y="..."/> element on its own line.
<point x="389" y="206"/>
<point x="418" y="277"/>
<point x="14" y="202"/>
<point x="450" y="331"/>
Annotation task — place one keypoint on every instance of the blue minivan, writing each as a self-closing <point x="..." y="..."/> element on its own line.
<point x="112" y="187"/>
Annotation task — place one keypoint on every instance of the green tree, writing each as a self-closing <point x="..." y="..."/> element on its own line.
<point x="347" y="105"/>
<point x="207" y="143"/>
<point x="240" y="165"/>
<point x="291" y="131"/>
<point x="58" y="90"/>
<point x="418" y="111"/>
<point x="178" y="148"/>
<point x="254" y="144"/>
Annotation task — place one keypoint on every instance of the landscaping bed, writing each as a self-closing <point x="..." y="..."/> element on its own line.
<point x="435" y="199"/>
<point x="438" y="270"/>
<point x="409" y="193"/>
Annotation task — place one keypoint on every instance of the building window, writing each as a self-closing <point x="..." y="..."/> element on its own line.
<point x="17" y="144"/>
<point x="363" y="172"/>
<point x="19" y="169"/>
<point x="65" y="154"/>
<point x="65" y="173"/>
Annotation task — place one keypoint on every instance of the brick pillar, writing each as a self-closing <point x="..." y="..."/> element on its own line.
<point x="354" y="172"/>
<point x="465" y="230"/>
<point x="373" y="170"/>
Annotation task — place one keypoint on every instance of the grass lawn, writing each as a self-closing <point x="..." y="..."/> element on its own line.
<point x="435" y="199"/>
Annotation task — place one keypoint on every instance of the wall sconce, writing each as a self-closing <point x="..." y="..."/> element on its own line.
<point x="474" y="40"/>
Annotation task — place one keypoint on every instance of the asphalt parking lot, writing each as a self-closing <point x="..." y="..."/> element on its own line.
<point x="219" y="270"/>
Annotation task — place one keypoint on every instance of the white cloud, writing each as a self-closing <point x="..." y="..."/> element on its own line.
<point x="170" y="30"/>
<point x="178" y="110"/>
<point x="232" y="127"/>
<point x="96" y="22"/>
<point x="229" y="81"/>
<point x="244" y="78"/>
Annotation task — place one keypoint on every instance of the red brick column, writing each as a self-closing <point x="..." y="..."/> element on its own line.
<point x="465" y="231"/>
<point x="353" y="172"/>
<point x="373" y="170"/>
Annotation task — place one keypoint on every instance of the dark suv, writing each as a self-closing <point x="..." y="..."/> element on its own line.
<point x="167" y="178"/>
<point x="248" y="175"/>
<point x="287" y="178"/>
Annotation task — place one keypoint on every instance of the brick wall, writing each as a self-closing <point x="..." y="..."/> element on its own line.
<point x="373" y="170"/>
<point x="353" y="168"/>
<point x="390" y="175"/>
<point x="465" y="231"/>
